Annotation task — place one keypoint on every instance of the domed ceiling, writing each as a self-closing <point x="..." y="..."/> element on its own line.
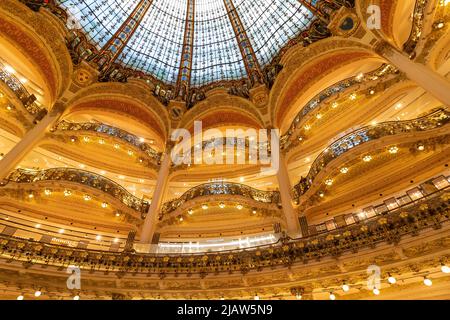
<point x="200" y="41"/>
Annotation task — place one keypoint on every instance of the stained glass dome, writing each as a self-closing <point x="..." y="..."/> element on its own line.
<point x="200" y="41"/>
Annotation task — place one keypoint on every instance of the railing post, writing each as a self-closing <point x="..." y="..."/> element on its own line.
<point x="13" y="158"/>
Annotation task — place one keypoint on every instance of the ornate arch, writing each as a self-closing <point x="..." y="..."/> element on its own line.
<point x="40" y="41"/>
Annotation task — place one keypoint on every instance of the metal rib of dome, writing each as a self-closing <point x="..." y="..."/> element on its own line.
<point x="195" y="41"/>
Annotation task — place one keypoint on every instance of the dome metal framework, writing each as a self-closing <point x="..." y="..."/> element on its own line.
<point x="191" y="43"/>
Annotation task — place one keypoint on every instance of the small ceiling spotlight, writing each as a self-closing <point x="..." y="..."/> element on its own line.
<point x="329" y="182"/>
<point x="76" y="297"/>
<point x="427" y="282"/>
<point x="332" y="296"/>
<point x="445" y="268"/>
<point x="376" y="291"/>
<point x="420" y="147"/>
<point x="67" y="193"/>
<point x="221" y="205"/>
<point x="344" y="170"/>
<point x="256" y="297"/>
<point x="20" y="297"/>
<point x="38" y="293"/>
<point x="321" y="194"/>
<point x="47" y="192"/>
<point x="61" y="231"/>
<point x="101" y="141"/>
<point x="392" y="279"/>
<point x="353" y="96"/>
<point x="87" y="197"/>
<point x="104" y="205"/>
<point x="239" y="206"/>
<point x="345" y="287"/>
<point x="254" y="211"/>
<point x="205" y="206"/>
<point x="180" y="218"/>
<point x="367" y="158"/>
<point x="393" y="150"/>
<point x="190" y="212"/>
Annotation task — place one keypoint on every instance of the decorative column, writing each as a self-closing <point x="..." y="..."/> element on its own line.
<point x="115" y="45"/>
<point x="434" y="83"/>
<point x="148" y="228"/>
<point x="184" y="73"/>
<point x="248" y="54"/>
<point x="293" y="225"/>
<point x="13" y="158"/>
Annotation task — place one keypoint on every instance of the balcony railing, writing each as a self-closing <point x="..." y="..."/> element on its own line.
<point x="85" y="178"/>
<point x="390" y="228"/>
<point x="222" y="188"/>
<point x="335" y="89"/>
<point x="367" y="134"/>
<point x="103" y="129"/>
<point x="417" y="27"/>
<point x="28" y="100"/>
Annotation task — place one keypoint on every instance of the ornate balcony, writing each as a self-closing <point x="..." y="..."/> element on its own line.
<point x="109" y="131"/>
<point x="356" y="138"/>
<point x="381" y="73"/>
<point x="28" y="100"/>
<point x="84" y="178"/>
<point x="222" y="188"/>
<point x="417" y="27"/>
<point x="390" y="228"/>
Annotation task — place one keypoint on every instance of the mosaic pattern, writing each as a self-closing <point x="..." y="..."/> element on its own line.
<point x="156" y="46"/>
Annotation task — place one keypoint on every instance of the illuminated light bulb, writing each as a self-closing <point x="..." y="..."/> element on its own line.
<point x="221" y="205"/>
<point x="86" y="139"/>
<point x="116" y="146"/>
<point x="9" y="108"/>
<point x="445" y="269"/>
<point x="254" y="211"/>
<point x="420" y="147"/>
<point x="117" y="214"/>
<point x="204" y="206"/>
<point x="298" y="296"/>
<point x="181" y="219"/>
<point x="329" y="182"/>
<point x="190" y="212"/>
<point x="86" y="197"/>
<point x="130" y="153"/>
<point x="319" y="116"/>
<point x="392" y="279"/>
<point x="367" y="158"/>
<point x="345" y="287"/>
<point x="334" y="105"/>
<point x="360" y="76"/>
<point x="61" y="231"/>
<point x="307" y="127"/>
<point x="241" y="179"/>
<point x="239" y="206"/>
<point x="321" y="194"/>
<point x="72" y="139"/>
<point x="20" y="297"/>
<point x="47" y="192"/>
<point x="31" y="196"/>
<point x="101" y="141"/>
<point x="256" y="297"/>
<point x="141" y="140"/>
<point x="38" y="293"/>
<point x="344" y="170"/>
<point x="372" y="92"/>
<point x="98" y="237"/>
<point x="376" y="291"/>
<point x="10" y="69"/>
<point x="300" y="138"/>
<point x="37" y="225"/>
<point x="104" y="205"/>
<point x="332" y="296"/>
<point x="77" y="297"/>
<point x="427" y="282"/>
<point x="393" y="150"/>
<point x="67" y="193"/>
<point x="353" y="96"/>
<point x="116" y="240"/>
